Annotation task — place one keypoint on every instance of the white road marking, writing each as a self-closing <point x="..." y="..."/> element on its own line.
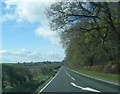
<point x="87" y="88"/>
<point x="49" y="82"/>
<point x="69" y="75"/>
<point x="73" y="78"/>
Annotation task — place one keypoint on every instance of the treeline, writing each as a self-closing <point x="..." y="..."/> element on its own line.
<point x="17" y="74"/>
<point x="89" y="32"/>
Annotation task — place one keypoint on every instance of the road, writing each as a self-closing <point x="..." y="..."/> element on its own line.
<point x="67" y="80"/>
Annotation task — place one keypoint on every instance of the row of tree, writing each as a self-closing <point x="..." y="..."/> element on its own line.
<point x="89" y="31"/>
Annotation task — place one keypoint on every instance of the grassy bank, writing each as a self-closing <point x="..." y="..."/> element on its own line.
<point x="47" y="81"/>
<point x="105" y="76"/>
<point x="26" y="78"/>
<point x="41" y="86"/>
<point x="29" y="86"/>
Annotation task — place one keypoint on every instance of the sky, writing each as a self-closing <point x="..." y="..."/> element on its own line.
<point x="25" y="33"/>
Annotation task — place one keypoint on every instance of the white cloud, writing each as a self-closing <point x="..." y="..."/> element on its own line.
<point x="22" y="55"/>
<point x="3" y="51"/>
<point x="8" y="17"/>
<point x="32" y="11"/>
<point x="26" y="10"/>
<point x="46" y="33"/>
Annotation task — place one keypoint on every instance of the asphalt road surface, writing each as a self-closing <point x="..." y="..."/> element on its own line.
<point x="67" y="80"/>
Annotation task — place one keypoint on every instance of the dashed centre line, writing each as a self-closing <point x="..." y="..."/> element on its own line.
<point x="69" y="75"/>
<point x="73" y="78"/>
<point x="82" y="88"/>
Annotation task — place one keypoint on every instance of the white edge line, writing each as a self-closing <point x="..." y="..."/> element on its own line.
<point x="49" y="82"/>
<point x="94" y="78"/>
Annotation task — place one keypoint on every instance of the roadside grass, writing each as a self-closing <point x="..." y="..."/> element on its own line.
<point x="29" y="86"/>
<point x="105" y="76"/>
<point x="32" y="86"/>
<point x="41" y="86"/>
<point x="47" y="81"/>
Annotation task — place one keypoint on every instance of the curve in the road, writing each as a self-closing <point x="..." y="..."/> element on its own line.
<point x="67" y="80"/>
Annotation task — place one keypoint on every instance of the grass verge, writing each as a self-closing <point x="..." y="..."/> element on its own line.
<point x="29" y="86"/>
<point x="47" y="81"/>
<point x="104" y="76"/>
<point x="41" y="86"/>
